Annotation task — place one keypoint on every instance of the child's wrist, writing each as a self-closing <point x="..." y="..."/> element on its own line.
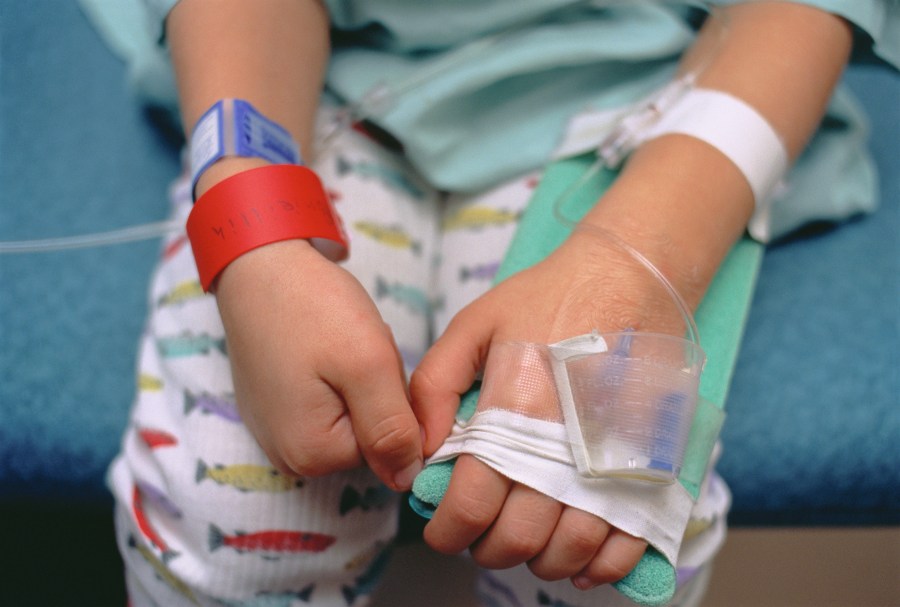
<point x="620" y="292"/>
<point x="253" y="208"/>
<point x="621" y="239"/>
<point x="682" y="205"/>
<point x="225" y="168"/>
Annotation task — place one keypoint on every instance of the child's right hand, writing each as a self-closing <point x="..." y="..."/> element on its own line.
<point x="318" y="379"/>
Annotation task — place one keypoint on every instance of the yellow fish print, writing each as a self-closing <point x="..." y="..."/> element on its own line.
<point x="162" y="571"/>
<point x="391" y="236"/>
<point x="697" y="526"/>
<point x="366" y="556"/>
<point x="182" y="292"/>
<point x="149" y="383"/>
<point x="473" y="218"/>
<point x="247" y="477"/>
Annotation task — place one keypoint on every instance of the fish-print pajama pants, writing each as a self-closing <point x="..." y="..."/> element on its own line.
<point x="202" y="516"/>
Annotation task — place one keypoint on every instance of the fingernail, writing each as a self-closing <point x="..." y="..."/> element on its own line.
<point x="404" y="479"/>
<point x="583" y="582"/>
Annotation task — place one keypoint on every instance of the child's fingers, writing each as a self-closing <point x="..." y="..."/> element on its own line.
<point x="447" y="371"/>
<point x="386" y="430"/>
<point x="521" y="531"/>
<point x="614" y="560"/>
<point x="318" y="442"/>
<point x="575" y="541"/>
<point x="473" y="500"/>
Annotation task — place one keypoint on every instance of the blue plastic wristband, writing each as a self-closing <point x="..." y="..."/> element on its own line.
<point x="233" y="127"/>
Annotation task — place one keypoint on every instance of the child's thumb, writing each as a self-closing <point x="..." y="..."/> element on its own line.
<point x="446" y="372"/>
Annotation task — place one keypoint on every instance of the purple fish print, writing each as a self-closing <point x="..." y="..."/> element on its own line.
<point x="215" y="405"/>
<point x="482" y="272"/>
<point x="158" y="498"/>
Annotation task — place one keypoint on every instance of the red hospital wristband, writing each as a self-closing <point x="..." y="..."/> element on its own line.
<point x="258" y="207"/>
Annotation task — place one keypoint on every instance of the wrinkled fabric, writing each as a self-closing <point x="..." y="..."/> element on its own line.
<point x="472" y="118"/>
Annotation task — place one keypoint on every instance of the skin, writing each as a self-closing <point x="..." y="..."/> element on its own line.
<point x="317" y="375"/>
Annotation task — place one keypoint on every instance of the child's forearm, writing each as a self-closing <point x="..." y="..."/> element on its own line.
<point x="683" y="203"/>
<point x="272" y="53"/>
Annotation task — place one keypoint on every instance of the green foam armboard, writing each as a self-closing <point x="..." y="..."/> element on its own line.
<point x="720" y="318"/>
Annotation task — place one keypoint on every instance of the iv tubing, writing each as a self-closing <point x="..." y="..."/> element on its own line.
<point x="136" y="233"/>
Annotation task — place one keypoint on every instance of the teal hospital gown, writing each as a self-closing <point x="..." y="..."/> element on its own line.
<point x="478" y="92"/>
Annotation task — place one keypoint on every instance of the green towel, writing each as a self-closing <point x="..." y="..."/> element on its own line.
<point x="720" y="318"/>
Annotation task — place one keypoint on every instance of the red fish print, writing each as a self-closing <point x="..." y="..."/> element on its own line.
<point x="155" y="438"/>
<point x="173" y="247"/>
<point x="271" y="541"/>
<point x="143" y="523"/>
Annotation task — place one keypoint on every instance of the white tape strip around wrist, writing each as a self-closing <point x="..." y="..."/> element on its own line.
<point x="233" y="127"/>
<point x="734" y="128"/>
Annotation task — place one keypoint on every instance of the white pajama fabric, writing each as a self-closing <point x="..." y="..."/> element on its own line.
<point x="202" y="516"/>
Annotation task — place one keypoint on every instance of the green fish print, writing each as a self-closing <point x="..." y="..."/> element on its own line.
<point x="366" y="582"/>
<point x="373" y="498"/>
<point x="190" y="344"/>
<point x="413" y="298"/>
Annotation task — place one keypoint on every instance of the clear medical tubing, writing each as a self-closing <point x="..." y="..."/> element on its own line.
<point x="145" y="231"/>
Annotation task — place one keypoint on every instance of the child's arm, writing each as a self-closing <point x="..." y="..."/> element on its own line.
<point x="317" y="376"/>
<point x="682" y="204"/>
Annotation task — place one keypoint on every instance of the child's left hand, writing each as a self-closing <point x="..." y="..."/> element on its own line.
<point x="588" y="283"/>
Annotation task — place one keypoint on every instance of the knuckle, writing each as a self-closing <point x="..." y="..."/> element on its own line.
<point x="314" y="456"/>
<point x="370" y="362"/>
<point x="584" y="536"/>
<point x="471" y="512"/>
<point x="422" y="383"/>
<point x="393" y="436"/>
<point x="606" y="570"/>
<point x="547" y="572"/>
<point x="298" y="461"/>
<point x="521" y="547"/>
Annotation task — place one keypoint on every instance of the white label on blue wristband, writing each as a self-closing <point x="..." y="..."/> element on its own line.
<point x="206" y="141"/>
<point x="233" y="127"/>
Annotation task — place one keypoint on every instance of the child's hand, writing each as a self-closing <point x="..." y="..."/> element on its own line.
<point x="587" y="284"/>
<point x="318" y="379"/>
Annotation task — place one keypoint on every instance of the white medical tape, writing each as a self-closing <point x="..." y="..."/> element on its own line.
<point x="537" y="453"/>
<point x="734" y="128"/>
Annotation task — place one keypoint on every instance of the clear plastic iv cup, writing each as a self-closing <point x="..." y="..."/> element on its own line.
<point x="633" y="404"/>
